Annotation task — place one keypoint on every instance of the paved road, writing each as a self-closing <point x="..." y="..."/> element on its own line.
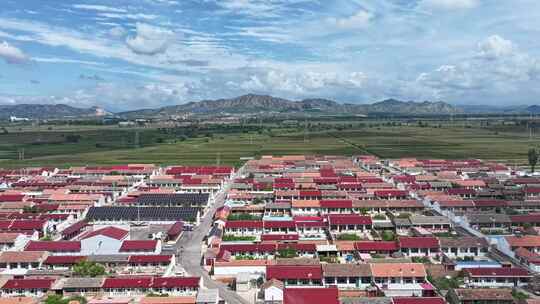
<point x="189" y="249"/>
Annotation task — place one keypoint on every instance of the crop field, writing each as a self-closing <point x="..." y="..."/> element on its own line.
<point x="92" y="146"/>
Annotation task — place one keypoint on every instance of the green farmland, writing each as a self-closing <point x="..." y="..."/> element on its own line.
<point x="113" y="145"/>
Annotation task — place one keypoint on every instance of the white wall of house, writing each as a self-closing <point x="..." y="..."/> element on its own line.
<point x="235" y="270"/>
<point x="273" y="294"/>
<point x="463" y="252"/>
<point x="35" y="293"/>
<point x="100" y="244"/>
<point x="412" y="252"/>
<point x="494" y="282"/>
<point x="402" y="290"/>
<point x="347" y="282"/>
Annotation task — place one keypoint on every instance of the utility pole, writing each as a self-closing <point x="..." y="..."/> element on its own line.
<point x="305" y="131"/>
<point x="218" y="158"/>
<point x="136" y="141"/>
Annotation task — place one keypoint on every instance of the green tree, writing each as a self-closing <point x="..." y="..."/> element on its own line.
<point x="287" y="253"/>
<point x="88" y="269"/>
<point x="533" y="158"/>
<point x="31" y="209"/>
<point x="73" y="138"/>
<point x="58" y="299"/>
<point x="388" y="235"/>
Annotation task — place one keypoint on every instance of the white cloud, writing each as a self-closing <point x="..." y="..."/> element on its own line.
<point x="66" y="60"/>
<point x="357" y="21"/>
<point x="112" y="96"/>
<point x="149" y="40"/>
<point x="99" y="8"/>
<point x="139" y="16"/>
<point x="11" y="54"/>
<point x="117" y="31"/>
<point x="300" y="83"/>
<point x="448" y="4"/>
<point x="495" y="47"/>
<point x="497" y="67"/>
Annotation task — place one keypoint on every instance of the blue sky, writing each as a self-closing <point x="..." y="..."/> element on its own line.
<point x="127" y="54"/>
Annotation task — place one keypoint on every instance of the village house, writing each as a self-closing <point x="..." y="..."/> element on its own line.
<point x="480" y="295"/>
<point x="305" y="207"/>
<point x="529" y="242"/>
<point x="243" y="228"/>
<point x="419" y="246"/>
<point x="461" y="247"/>
<point x="348" y="223"/>
<point x="496" y="277"/>
<point x="295" y="275"/>
<point x="401" y="279"/>
<point x="347" y="275"/>
<point x="22" y="260"/>
<point x="106" y="240"/>
<point x="433" y="224"/>
<point x="26" y="287"/>
<point x="310" y="227"/>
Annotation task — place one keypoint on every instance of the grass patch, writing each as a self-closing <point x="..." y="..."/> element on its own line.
<point x="234" y="238"/>
<point x="348" y="237"/>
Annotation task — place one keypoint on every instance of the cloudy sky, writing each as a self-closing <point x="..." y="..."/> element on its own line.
<point x="127" y="54"/>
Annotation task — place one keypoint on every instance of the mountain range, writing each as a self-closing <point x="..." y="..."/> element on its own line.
<point x="265" y="105"/>
<point x="48" y="111"/>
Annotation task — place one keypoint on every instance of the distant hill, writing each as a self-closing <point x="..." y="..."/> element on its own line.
<point x="255" y="104"/>
<point x="487" y="109"/>
<point x="48" y="111"/>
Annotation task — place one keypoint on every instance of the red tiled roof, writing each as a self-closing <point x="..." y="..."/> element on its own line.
<point x="390" y="193"/>
<point x="54" y="246"/>
<point x="526" y="218"/>
<point x="158" y="258"/>
<point x="140" y="282"/>
<point x="309" y="193"/>
<point x="348" y="219"/>
<point x="244" y="224"/>
<point x="111" y="232"/>
<point x="310" y="296"/>
<point x="490" y="203"/>
<point x="416" y="300"/>
<point x="173" y="282"/>
<point x="28" y="284"/>
<point x="11" y="197"/>
<point x="63" y="259"/>
<point x="404" y="179"/>
<point x="210" y="170"/>
<point x="139" y="245"/>
<point x="418" y="242"/>
<point x="27" y="224"/>
<point x="175" y="229"/>
<point x="497" y="272"/>
<point x="74" y="228"/>
<point x="284" y="185"/>
<point x="282" y="272"/>
<point x="460" y="191"/>
<point x="336" y="203"/>
<point x="376" y="246"/>
<point x="149" y="282"/>
<point x="279" y="224"/>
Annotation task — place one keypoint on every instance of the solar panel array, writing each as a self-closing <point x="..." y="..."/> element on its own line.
<point x="141" y="213"/>
<point x="173" y="199"/>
